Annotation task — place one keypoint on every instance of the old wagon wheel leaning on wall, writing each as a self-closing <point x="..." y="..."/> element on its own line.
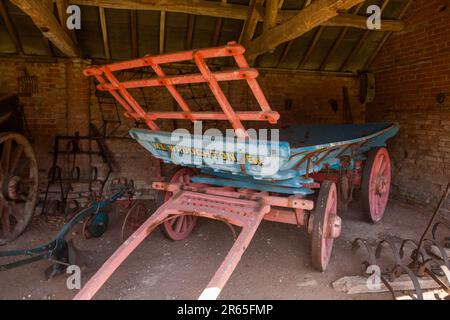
<point x="376" y="182"/>
<point x="181" y="227"/>
<point x="19" y="185"/>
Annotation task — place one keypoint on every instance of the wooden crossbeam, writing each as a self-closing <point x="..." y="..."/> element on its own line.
<point x="10" y="27"/>
<point x="105" y="36"/>
<point x="314" y="15"/>
<point x="44" y="19"/>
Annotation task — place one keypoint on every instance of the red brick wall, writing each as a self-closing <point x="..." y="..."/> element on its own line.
<point x="62" y="107"/>
<point x="412" y="70"/>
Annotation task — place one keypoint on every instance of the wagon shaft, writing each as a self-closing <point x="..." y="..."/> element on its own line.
<point x="243" y="213"/>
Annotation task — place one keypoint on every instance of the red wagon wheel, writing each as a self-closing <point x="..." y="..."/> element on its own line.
<point x="19" y="185"/>
<point x="135" y="218"/>
<point x="325" y="225"/>
<point x="376" y="183"/>
<point x="178" y="228"/>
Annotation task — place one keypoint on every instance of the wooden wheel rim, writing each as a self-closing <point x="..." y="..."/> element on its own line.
<point x="179" y="228"/>
<point x="135" y="217"/>
<point x="19" y="185"/>
<point x="322" y="242"/>
<point x="377" y="183"/>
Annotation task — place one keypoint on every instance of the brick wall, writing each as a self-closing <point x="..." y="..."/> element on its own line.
<point x="61" y="107"/>
<point x="413" y="88"/>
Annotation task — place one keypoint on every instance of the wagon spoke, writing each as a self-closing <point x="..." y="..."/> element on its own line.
<point x="179" y="224"/>
<point x="383" y="167"/>
<point x="17" y="156"/>
<point x="6" y="153"/>
<point x="6" y="223"/>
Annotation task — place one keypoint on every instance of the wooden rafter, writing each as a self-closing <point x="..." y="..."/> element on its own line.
<point x="10" y="27"/>
<point x="190" y="32"/>
<point x="217" y="29"/>
<point x="62" y="6"/>
<point x="105" y="36"/>
<point x="385" y="38"/>
<point x="251" y="22"/>
<point x="311" y="47"/>
<point x="290" y="42"/>
<point x="211" y="8"/>
<point x="338" y="41"/>
<point x="134" y="34"/>
<point x="314" y="15"/>
<point x="361" y="41"/>
<point x="162" y="31"/>
<point x="44" y="19"/>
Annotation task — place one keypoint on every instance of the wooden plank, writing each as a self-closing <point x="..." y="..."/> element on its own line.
<point x="338" y="41"/>
<point x="10" y="27"/>
<point x="44" y="19"/>
<point x="314" y="15"/>
<point x="104" y="27"/>
<point x="162" y="32"/>
<point x="134" y="34"/>
<point x="358" y="285"/>
<point x="270" y="19"/>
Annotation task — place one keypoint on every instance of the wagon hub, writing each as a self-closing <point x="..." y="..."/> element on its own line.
<point x="14" y="188"/>
<point x="381" y="184"/>
<point x="334" y="227"/>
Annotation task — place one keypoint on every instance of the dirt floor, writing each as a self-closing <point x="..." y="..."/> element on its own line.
<point x="275" y="266"/>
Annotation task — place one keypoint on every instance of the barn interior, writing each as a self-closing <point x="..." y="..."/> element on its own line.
<point x="320" y="62"/>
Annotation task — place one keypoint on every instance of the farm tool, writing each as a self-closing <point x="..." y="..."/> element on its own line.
<point x="59" y="250"/>
<point x="428" y="257"/>
<point x="244" y="187"/>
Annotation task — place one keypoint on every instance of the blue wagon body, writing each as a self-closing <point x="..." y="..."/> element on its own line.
<point x="302" y="150"/>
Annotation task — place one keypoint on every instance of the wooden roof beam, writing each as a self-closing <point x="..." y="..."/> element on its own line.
<point x="44" y="19"/>
<point x="105" y="35"/>
<point x="134" y="34"/>
<point x="251" y="22"/>
<point x="10" y="27"/>
<point x="162" y="32"/>
<point x="314" y="15"/>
